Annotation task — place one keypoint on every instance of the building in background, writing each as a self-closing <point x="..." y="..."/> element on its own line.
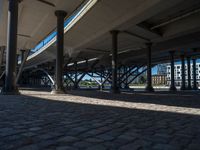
<point x="159" y="79"/>
<point x="178" y="75"/>
<point x="162" y="69"/>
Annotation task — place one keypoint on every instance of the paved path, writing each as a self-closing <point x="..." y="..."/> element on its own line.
<point x="99" y="121"/>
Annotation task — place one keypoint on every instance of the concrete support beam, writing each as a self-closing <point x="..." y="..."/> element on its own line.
<point x="172" y="86"/>
<point x="115" y="87"/>
<point x="59" y="55"/>
<point x="183" y="72"/>
<point x="189" y="73"/>
<point x="149" y="87"/>
<point x="11" y="55"/>
<point x="194" y="74"/>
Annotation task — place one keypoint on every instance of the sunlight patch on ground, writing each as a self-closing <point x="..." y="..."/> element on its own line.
<point x="113" y="103"/>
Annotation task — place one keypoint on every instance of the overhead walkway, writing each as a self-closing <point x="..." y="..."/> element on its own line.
<point x="47" y="46"/>
<point x="36" y="20"/>
<point x="138" y="23"/>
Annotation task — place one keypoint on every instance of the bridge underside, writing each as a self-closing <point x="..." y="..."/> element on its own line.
<point x="52" y="45"/>
<point x="117" y="42"/>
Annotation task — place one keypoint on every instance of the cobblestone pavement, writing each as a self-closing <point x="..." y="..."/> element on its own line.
<point x="99" y="121"/>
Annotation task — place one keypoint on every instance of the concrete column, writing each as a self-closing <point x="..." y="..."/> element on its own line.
<point x="183" y="72"/>
<point x="189" y="73"/>
<point x="76" y="76"/>
<point x="149" y="87"/>
<point x="114" y="88"/>
<point x="2" y="50"/>
<point x="59" y="53"/>
<point x="17" y="58"/>
<point x="172" y="86"/>
<point x="11" y="55"/>
<point x="126" y="76"/>
<point x="102" y="86"/>
<point x="194" y="75"/>
<point x="22" y="55"/>
<point x="101" y="77"/>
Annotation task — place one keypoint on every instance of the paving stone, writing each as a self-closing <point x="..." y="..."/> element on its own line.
<point x="29" y="134"/>
<point x="144" y="123"/>
<point x="131" y="146"/>
<point x="94" y="140"/>
<point x="82" y="144"/>
<point x="68" y="139"/>
<point x="164" y="147"/>
<point x="106" y="137"/>
<point x="47" y="143"/>
<point x="193" y="147"/>
<point x="127" y="137"/>
<point x="29" y="147"/>
<point x="35" y="128"/>
<point x="96" y="147"/>
<point x="66" y="148"/>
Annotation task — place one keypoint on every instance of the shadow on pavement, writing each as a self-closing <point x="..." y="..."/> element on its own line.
<point x="180" y="99"/>
<point x="37" y="123"/>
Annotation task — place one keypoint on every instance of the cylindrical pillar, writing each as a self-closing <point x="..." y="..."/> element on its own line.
<point x="194" y="75"/>
<point x="149" y="87"/>
<point x="102" y="86"/>
<point x="17" y="58"/>
<point x="126" y="76"/>
<point x="101" y="77"/>
<point x="183" y="72"/>
<point x="11" y="55"/>
<point x="76" y="76"/>
<point x="59" y="53"/>
<point x="114" y="88"/>
<point x="22" y="55"/>
<point x="189" y="73"/>
<point x="172" y="86"/>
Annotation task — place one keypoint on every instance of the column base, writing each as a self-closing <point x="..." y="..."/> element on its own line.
<point x="115" y="90"/>
<point x="101" y="88"/>
<point x="14" y="91"/>
<point x="182" y="88"/>
<point x="126" y="87"/>
<point x="57" y="91"/>
<point x="149" y="89"/>
<point x="172" y="88"/>
<point x="75" y="88"/>
<point x="195" y="88"/>
<point x="189" y="88"/>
